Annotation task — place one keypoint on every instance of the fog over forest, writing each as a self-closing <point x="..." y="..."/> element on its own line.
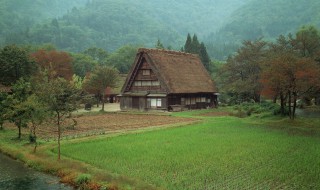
<point x="76" y="25"/>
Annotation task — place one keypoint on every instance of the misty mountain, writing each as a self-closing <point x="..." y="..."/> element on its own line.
<point x="17" y="16"/>
<point x="110" y="24"/>
<point x="262" y="18"/>
<point x="75" y="25"/>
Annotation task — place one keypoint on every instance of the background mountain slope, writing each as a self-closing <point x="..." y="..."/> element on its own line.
<point x="221" y="24"/>
<point x="263" y="18"/>
<point x="110" y="24"/>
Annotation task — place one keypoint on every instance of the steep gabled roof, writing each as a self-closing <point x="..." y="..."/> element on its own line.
<point x="179" y="72"/>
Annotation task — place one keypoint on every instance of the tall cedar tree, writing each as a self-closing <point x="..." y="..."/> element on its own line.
<point x="205" y="59"/>
<point x="188" y="44"/>
<point x="193" y="46"/>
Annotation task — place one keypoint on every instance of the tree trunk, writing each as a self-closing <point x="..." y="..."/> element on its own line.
<point x="35" y="139"/>
<point x="282" y="104"/>
<point x="19" y="135"/>
<point x="103" y="97"/>
<point x="294" y="105"/>
<point x="275" y="99"/>
<point x="19" y="129"/>
<point x="257" y="98"/>
<point x="59" y="134"/>
<point x="290" y="112"/>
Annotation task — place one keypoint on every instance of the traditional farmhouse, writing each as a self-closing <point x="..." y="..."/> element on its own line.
<point x="166" y="80"/>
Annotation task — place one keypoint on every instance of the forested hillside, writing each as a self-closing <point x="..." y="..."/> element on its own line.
<point x="263" y="18"/>
<point x="76" y="25"/>
<point x="111" y="24"/>
<point x="18" y="16"/>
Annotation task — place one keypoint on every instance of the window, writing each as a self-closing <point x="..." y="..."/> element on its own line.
<point x="156" y="83"/>
<point x="155" y="102"/>
<point x="146" y="83"/>
<point x="188" y="101"/>
<point x="183" y="101"/>
<point x="146" y="72"/>
<point x="203" y="99"/>
<point x="137" y="83"/>
<point x="193" y="101"/>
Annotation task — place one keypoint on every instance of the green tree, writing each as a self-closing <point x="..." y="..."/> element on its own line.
<point x="97" y="54"/>
<point x="3" y="108"/>
<point x="188" y="44"/>
<point x="36" y="113"/>
<point x="195" y="45"/>
<point x="205" y="59"/>
<point x="16" y="111"/>
<point x="14" y="64"/>
<point x="123" y="58"/>
<point x="159" y="45"/>
<point x="101" y="78"/>
<point x="307" y="41"/>
<point x="241" y="73"/>
<point x="61" y="98"/>
<point x="82" y="64"/>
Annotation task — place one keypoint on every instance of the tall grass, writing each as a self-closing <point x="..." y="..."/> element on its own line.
<point x="219" y="153"/>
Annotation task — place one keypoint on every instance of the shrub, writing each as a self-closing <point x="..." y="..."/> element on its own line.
<point x="83" y="179"/>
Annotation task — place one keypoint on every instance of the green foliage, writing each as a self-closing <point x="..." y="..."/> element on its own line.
<point x="16" y="111"/>
<point x="83" y="64"/>
<point x="188" y="44"/>
<point x="159" y="45"/>
<point x="123" y="58"/>
<point x="260" y="18"/>
<point x="240" y="76"/>
<point x="97" y="54"/>
<point x="3" y="107"/>
<point x="61" y="99"/>
<point x="248" y="109"/>
<point x="109" y="24"/>
<point x="193" y="46"/>
<point x="14" y="64"/>
<point x="83" y="179"/>
<point x="101" y="78"/>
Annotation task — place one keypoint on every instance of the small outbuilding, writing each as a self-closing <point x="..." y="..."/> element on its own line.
<point x="167" y="80"/>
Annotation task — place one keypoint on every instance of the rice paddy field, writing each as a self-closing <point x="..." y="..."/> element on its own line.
<point x="220" y="152"/>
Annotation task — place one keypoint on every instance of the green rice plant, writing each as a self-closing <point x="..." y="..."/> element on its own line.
<point x="216" y="153"/>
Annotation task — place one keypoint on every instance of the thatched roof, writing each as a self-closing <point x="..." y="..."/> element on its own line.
<point x="179" y="72"/>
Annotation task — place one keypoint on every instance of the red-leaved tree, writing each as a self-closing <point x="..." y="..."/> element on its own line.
<point x="56" y="63"/>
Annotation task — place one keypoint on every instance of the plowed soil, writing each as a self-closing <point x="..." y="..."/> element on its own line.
<point x="87" y="125"/>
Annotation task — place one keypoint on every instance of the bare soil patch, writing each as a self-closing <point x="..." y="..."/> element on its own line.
<point x="88" y="125"/>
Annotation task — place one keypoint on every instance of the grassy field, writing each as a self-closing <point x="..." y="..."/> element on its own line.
<point x="219" y="153"/>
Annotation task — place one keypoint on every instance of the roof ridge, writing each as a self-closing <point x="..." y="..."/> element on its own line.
<point x="165" y="51"/>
